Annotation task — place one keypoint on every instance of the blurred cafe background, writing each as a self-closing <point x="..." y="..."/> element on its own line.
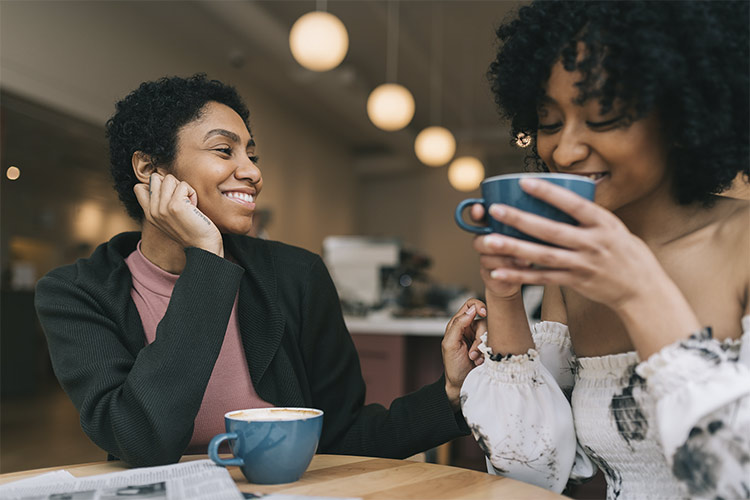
<point x="335" y="182"/>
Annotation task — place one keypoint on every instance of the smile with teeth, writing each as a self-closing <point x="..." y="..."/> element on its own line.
<point x="239" y="197"/>
<point x="594" y="176"/>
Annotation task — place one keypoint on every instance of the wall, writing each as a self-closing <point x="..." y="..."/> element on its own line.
<point x="418" y="208"/>
<point x="80" y="57"/>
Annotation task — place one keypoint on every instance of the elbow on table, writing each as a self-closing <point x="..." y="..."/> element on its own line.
<point x="148" y="457"/>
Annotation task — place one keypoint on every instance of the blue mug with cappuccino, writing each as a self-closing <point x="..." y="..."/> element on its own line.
<point x="270" y="445"/>
<point x="507" y="190"/>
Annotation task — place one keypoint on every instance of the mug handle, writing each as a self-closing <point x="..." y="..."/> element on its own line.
<point x="213" y="449"/>
<point x="459" y="216"/>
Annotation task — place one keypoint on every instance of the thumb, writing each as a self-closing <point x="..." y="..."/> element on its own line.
<point x="458" y="323"/>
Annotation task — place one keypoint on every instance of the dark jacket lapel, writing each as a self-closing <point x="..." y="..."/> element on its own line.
<point x="260" y="319"/>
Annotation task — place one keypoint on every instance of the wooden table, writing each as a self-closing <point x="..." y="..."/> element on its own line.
<point x="361" y="477"/>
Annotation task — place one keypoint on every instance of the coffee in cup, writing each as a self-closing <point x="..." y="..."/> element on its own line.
<point x="507" y="190"/>
<point x="271" y="445"/>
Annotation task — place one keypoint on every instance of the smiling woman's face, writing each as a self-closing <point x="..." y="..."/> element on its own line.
<point x="216" y="156"/>
<point x="627" y="159"/>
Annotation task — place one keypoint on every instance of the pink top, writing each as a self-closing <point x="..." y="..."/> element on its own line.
<point x="230" y="387"/>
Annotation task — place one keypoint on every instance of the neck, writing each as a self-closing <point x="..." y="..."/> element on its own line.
<point x="660" y="219"/>
<point x="162" y="250"/>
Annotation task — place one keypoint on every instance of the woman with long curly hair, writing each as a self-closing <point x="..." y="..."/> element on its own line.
<point x="640" y="366"/>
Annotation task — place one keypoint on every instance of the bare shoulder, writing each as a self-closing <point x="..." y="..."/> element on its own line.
<point x="732" y="236"/>
<point x="732" y="220"/>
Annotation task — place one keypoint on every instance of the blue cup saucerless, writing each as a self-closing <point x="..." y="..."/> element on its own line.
<point x="271" y="445"/>
<point x="506" y="189"/>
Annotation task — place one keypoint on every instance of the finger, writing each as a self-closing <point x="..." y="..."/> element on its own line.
<point x="141" y="194"/>
<point x="474" y="353"/>
<point x="584" y="211"/>
<point x="462" y="319"/>
<point x="486" y="246"/>
<point x="166" y="193"/>
<point x="494" y="262"/>
<point x="558" y="233"/>
<point x="481" y="309"/>
<point x="184" y="193"/>
<point x="154" y="188"/>
<point x="474" y="331"/>
<point x="534" y="276"/>
<point x="477" y="212"/>
<point x="526" y="251"/>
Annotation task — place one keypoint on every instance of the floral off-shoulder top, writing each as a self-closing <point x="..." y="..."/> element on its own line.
<point x="674" y="426"/>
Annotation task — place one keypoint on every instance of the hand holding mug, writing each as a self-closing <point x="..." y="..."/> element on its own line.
<point x="598" y="256"/>
<point x="171" y="206"/>
<point x="506" y="189"/>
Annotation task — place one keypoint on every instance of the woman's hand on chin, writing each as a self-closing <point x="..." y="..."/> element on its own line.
<point x="170" y="205"/>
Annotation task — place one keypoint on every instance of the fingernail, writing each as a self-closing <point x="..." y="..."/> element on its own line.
<point x="498" y="274"/>
<point x="529" y="183"/>
<point x="473" y="355"/>
<point x="470" y="310"/>
<point x="483" y="311"/>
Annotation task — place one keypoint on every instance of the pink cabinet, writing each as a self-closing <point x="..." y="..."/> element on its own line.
<point x="394" y="364"/>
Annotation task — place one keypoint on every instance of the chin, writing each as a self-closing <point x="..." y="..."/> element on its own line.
<point x="242" y="229"/>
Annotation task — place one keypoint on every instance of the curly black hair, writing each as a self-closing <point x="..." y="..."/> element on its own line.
<point x="687" y="60"/>
<point x="148" y="120"/>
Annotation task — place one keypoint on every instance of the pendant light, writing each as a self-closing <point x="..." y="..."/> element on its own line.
<point x="435" y="145"/>
<point x="390" y="106"/>
<point x="319" y="40"/>
<point x="466" y="173"/>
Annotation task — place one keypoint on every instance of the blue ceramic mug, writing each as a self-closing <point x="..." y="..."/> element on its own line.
<point x="507" y="190"/>
<point x="271" y="445"/>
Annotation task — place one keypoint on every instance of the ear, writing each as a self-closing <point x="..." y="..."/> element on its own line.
<point x="144" y="166"/>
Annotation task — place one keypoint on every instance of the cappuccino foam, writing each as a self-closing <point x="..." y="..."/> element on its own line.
<point x="273" y="414"/>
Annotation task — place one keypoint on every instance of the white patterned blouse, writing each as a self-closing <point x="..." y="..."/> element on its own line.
<point x="674" y="426"/>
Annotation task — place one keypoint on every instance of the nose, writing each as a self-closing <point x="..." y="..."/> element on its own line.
<point x="570" y="148"/>
<point x="248" y="170"/>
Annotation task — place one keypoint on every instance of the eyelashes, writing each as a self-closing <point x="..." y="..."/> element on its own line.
<point x="621" y="120"/>
<point x="606" y="123"/>
<point x="228" y="152"/>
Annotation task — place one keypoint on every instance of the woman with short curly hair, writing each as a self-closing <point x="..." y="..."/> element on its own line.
<point x="161" y="332"/>
<point x="640" y="366"/>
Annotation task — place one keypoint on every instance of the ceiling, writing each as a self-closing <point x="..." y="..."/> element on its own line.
<point x="444" y="49"/>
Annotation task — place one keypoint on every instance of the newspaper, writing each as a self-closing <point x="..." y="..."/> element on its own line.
<point x="199" y="480"/>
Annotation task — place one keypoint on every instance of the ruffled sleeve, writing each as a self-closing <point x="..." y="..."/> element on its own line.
<point x="518" y="412"/>
<point x="701" y="393"/>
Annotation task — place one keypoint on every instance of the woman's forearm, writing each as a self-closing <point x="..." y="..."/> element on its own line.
<point x="508" y="327"/>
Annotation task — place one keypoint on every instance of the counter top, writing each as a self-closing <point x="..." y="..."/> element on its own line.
<point x="388" y="325"/>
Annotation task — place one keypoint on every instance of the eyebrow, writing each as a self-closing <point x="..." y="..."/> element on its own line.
<point x="229" y="135"/>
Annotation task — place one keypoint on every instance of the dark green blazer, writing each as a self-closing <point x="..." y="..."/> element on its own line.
<point x="138" y="402"/>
